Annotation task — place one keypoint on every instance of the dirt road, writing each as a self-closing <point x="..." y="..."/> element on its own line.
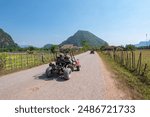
<point x="92" y="82"/>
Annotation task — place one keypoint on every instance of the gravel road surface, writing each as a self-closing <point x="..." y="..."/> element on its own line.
<point x="94" y="81"/>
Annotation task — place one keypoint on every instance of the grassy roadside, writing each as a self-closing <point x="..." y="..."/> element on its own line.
<point x="138" y="89"/>
<point x="18" y="62"/>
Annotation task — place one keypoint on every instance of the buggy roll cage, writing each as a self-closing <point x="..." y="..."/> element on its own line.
<point x="68" y="52"/>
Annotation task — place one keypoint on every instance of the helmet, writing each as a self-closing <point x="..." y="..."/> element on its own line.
<point x="61" y="55"/>
<point x="67" y="57"/>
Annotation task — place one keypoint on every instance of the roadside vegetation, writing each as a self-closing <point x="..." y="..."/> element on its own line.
<point x="23" y="58"/>
<point x="10" y="62"/>
<point x="28" y="58"/>
<point x="145" y="59"/>
<point x="137" y="82"/>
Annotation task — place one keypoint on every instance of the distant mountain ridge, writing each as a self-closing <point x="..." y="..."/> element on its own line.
<point x="143" y="43"/>
<point x="47" y="46"/>
<point x="6" y="40"/>
<point x="87" y="36"/>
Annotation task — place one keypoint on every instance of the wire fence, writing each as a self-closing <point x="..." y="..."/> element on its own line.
<point x="133" y="61"/>
<point x="10" y="62"/>
<point x="15" y="61"/>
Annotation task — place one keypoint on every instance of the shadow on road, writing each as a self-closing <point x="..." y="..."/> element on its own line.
<point x="55" y="77"/>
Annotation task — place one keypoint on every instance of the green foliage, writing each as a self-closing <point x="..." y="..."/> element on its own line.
<point x="130" y="47"/>
<point x="85" y="44"/>
<point x="8" y="49"/>
<point x="31" y="48"/>
<point x="53" y="48"/>
<point x="103" y="47"/>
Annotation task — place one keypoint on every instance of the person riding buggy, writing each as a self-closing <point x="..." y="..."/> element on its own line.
<point x="64" y="64"/>
<point x="63" y="60"/>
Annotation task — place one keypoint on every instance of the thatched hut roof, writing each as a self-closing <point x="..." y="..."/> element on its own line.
<point x="67" y="46"/>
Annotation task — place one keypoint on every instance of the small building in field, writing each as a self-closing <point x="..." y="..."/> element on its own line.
<point x="67" y="46"/>
<point x="109" y="48"/>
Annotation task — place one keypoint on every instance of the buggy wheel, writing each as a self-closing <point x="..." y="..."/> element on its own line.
<point x="71" y="67"/>
<point x="78" y="68"/>
<point x="67" y="73"/>
<point x="49" y="72"/>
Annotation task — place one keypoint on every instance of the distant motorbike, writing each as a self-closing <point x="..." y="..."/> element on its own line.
<point x="92" y="52"/>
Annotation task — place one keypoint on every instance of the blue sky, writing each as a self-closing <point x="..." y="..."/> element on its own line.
<point x="38" y="22"/>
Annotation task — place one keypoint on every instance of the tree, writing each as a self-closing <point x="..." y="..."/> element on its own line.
<point x="53" y="48"/>
<point x="102" y="48"/>
<point x="31" y="48"/>
<point x="130" y="47"/>
<point x="85" y="45"/>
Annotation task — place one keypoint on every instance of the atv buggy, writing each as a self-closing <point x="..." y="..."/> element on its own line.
<point x="75" y="63"/>
<point x="63" y="66"/>
<point x="54" y="69"/>
<point x="92" y="52"/>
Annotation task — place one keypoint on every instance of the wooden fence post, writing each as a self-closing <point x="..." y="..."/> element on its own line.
<point x="114" y="54"/>
<point x="139" y="63"/>
<point x="144" y="71"/>
<point x="34" y="59"/>
<point x="21" y="61"/>
<point x="27" y="60"/>
<point x="15" y="62"/>
<point x="134" y="60"/>
<point x="42" y="58"/>
<point x="127" y="60"/>
<point x="122" y="59"/>
<point x="132" y="67"/>
<point x="11" y="62"/>
<point x="130" y="61"/>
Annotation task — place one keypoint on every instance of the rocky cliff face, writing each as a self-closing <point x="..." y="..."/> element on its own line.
<point x="6" y="40"/>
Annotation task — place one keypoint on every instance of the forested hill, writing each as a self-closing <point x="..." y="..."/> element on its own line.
<point x="87" y="36"/>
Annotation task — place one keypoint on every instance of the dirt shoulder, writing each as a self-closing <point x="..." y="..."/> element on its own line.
<point x="118" y="80"/>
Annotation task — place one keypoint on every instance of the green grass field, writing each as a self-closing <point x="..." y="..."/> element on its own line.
<point x="145" y="59"/>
